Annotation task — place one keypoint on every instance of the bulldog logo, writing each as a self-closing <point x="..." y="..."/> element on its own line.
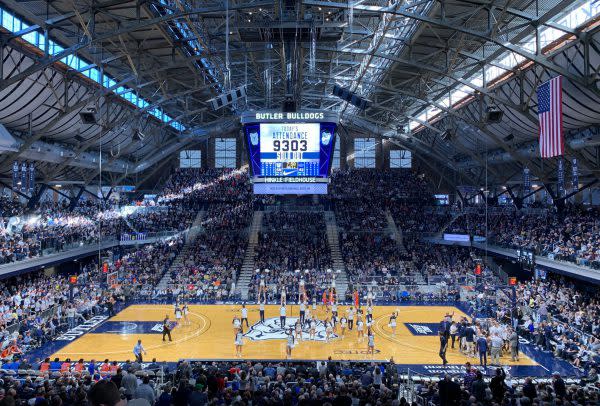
<point x="325" y="137"/>
<point x="271" y="330"/>
<point x="254" y="138"/>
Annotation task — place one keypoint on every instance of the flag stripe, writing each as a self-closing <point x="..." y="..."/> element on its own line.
<point x="550" y="118"/>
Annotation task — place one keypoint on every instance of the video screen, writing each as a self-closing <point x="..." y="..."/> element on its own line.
<point x="290" y="149"/>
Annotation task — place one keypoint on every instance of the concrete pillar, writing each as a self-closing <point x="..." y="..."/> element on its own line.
<point x="210" y="153"/>
<point x="203" y="147"/>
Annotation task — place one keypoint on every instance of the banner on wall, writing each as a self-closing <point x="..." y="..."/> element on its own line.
<point x="15" y="177"/>
<point x="561" y="177"/>
<point x="575" y="178"/>
<point x="526" y="179"/>
<point x="31" y="177"/>
<point x="24" y="177"/>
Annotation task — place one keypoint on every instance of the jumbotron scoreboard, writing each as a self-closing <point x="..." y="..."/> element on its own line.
<point x="290" y="153"/>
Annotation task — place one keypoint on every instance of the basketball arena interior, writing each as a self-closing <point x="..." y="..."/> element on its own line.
<point x="299" y="202"/>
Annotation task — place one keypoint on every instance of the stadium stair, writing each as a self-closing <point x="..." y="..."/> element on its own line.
<point x="395" y="232"/>
<point x="333" y="240"/>
<point x="248" y="265"/>
<point x="192" y="234"/>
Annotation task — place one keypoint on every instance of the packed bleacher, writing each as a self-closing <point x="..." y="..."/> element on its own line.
<point x="276" y="383"/>
<point x="292" y="247"/>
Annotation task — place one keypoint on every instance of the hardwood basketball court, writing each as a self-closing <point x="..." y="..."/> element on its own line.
<point x="209" y="335"/>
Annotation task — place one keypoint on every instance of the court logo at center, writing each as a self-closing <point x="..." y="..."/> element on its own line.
<point x="272" y="330"/>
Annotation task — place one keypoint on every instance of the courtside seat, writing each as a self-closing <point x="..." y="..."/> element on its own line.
<point x="22" y="372"/>
<point x="33" y="372"/>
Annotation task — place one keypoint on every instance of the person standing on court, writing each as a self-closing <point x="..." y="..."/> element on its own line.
<point x="496" y="348"/>
<point x="302" y="312"/>
<point x="482" y="347"/>
<point x="138" y="350"/>
<point x="261" y="311"/>
<point x="166" y="328"/>
<point x="443" y="346"/>
<point x="282" y="316"/>
<point x="244" y="312"/>
<point x="350" y="318"/>
<point x="513" y="340"/>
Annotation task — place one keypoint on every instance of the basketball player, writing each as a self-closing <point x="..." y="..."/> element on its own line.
<point x="244" y="312"/>
<point x="282" y="312"/>
<point x="392" y="323"/>
<point x="324" y="300"/>
<point x="261" y="310"/>
<point x="166" y="328"/>
<point x="314" y="303"/>
<point x="350" y="318"/>
<point x="239" y="342"/>
<point x="369" y="315"/>
<point x="290" y="344"/>
<point x="370" y="342"/>
<point x="186" y="311"/>
<point x="360" y="328"/>
<point x="302" y="312"/>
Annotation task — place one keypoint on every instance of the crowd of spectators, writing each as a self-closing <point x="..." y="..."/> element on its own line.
<point x="302" y="383"/>
<point x="293" y="246"/>
<point x="209" y="268"/>
<point x="557" y="316"/>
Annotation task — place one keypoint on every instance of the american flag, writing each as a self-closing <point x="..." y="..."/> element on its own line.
<point x="549" y="95"/>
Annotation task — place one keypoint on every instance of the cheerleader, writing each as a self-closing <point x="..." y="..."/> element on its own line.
<point x="369" y="298"/>
<point x="186" y="311"/>
<point x="334" y="323"/>
<point x="313" y="329"/>
<point x="360" y="329"/>
<point x="343" y="323"/>
<point x="392" y="323"/>
<point x="239" y="342"/>
<point x="290" y="344"/>
<point x="178" y="314"/>
<point x="370" y="342"/>
<point x="237" y="324"/>
<point x="301" y="289"/>
<point x="262" y="288"/>
<point x="328" y="330"/>
<point x="298" y="330"/>
<point x="302" y="312"/>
